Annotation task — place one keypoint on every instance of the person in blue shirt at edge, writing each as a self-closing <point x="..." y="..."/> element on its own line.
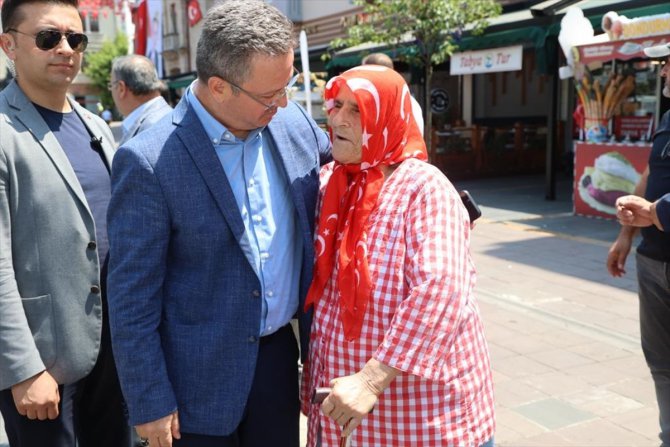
<point x="651" y="205"/>
<point x="211" y="227"/>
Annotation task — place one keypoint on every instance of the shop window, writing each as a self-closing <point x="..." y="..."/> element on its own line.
<point x="623" y="95"/>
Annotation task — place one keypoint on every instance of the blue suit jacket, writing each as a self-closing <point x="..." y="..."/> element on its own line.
<point x="184" y="302"/>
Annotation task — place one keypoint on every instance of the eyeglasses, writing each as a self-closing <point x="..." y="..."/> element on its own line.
<point x="275" y="98"/>
<point x="110" y="85"/>
<point x="48" y="39"/>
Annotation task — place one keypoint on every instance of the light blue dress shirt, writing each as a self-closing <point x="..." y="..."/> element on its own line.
<point x="272" y="241"/>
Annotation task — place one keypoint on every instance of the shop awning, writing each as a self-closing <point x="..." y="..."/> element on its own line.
<point x="617" y="49"/>
<point x="515" y="28"/>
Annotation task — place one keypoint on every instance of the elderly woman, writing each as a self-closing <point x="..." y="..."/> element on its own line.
<point x="396" y="326"/>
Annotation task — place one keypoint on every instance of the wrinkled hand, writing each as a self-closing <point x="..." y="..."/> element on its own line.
<point x="160" y="432"/>
<point x="37" y="397"/>
<point x="634" y="211"/>
<point x="351" y="399"/>
<point x="616" y="257"/>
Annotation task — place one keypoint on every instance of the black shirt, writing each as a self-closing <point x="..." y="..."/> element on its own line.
<point x="89" y="165"/>
<point x="655" y="243"/>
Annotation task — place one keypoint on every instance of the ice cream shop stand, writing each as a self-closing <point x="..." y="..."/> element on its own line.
<point x="618" y="107"/>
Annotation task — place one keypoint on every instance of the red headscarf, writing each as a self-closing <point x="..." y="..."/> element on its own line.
<point x="390" y="135"/>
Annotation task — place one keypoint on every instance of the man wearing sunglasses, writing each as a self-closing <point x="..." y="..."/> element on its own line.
<point x="211" y="234"/>
<point x="653" y="253"/>
<point x="57" y="377"/>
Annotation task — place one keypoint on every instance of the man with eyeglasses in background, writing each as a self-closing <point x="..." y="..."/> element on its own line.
<point x="57" y="375"/>
<point x="211" y="233"/>
<point x="653" y="253"/>
<point x="136" y="91"/>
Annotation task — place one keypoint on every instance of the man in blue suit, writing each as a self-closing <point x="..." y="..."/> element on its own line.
<point x="210" y="227"/>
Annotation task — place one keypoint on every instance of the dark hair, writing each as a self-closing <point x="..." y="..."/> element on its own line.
<point x="236" y="31"/>
<point x="138" y="73"/>
<point x="10" y="18"/>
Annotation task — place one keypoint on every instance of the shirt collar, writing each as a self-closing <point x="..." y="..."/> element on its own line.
<point x="216" y="132"/>
<point x="131" y="119"/>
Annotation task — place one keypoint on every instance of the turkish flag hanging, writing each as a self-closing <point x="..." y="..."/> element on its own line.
<point x="194" y="12"/>
<point x="140" y="15"/>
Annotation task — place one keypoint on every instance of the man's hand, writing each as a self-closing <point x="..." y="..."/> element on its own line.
<point x="616" y="257"/>
<point x="353" y="397"/>
<point x="634" y="211"/>
<point x="37" y="397"/>
<point x="160" y="432"/>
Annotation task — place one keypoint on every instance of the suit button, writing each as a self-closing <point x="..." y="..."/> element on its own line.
<point x="256" y="293"/>
<point x="91" y="245"/>
<point x="252" y="339"/>
<point x="95" y="289"/>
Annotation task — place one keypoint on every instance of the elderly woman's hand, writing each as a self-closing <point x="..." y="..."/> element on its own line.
<point x="353" y="397"/>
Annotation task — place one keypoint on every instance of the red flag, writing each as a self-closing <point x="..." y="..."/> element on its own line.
<point x="140" y="16"/>
<point x="194" y="12"/>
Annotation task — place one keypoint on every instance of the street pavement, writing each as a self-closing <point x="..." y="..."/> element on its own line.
<point x="563" y="334"/>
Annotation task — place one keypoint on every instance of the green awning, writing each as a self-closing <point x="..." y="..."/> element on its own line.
<point x="529" y="36"/>
<point x="352" y="56"/>
<point x="532" y="35"/>
<point x="180" y="82"/>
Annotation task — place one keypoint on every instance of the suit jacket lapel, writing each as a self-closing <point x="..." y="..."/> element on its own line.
<point x="196" y="142"/>
<point x="26" y="114"/>
<point x="285" y="150"/>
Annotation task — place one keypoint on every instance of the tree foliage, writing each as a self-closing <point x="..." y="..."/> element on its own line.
<point x="430" y="29"/>
<point x="98" y="65"/>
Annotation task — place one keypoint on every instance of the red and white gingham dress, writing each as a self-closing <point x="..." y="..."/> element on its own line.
<point x="422" y="319"/>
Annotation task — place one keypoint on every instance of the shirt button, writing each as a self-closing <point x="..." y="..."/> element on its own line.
<point x="270" y="293"/>
<point x="257" y="218"/>
<point x="269" y="328"/>
<point x="256" y="293"/>
<point x="265" y="255"/>
<point x="252" y="339"/>
<point x="91" y="245"/>
<point x="95" y="289"/>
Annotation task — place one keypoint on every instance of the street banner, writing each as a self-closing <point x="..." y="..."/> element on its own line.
<point x="155" y="34"/>
<point x="140" y="21"/>
<point x="487" y="61"/>
<point x="304" y="58"/>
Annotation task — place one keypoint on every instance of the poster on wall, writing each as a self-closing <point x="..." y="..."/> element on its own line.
<point x="154" y="27"/>
<point x="603" y="173"/>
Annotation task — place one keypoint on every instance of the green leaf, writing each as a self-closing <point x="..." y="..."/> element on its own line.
<point x="98" y="65"/>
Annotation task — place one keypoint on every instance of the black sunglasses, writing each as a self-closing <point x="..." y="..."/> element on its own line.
<point x="49" y="39"/>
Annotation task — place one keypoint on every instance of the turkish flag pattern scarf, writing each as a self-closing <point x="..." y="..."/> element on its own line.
<point x="389" y="136"/>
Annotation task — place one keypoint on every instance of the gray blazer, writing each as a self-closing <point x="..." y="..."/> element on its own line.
<point x="150" y="116"/>
<point x="50" y="303"/>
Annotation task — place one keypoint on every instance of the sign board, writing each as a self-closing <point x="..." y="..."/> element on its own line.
<point x="487" y="61"/>
<point x="634" y="126"/>
<point x="439" y="100"/>
<point x="617" y="49"/>
<point x="604" y="172"/>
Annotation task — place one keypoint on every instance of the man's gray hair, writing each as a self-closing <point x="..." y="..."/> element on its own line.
<point x="237" y="30"/>
<point x="138" y="73"/>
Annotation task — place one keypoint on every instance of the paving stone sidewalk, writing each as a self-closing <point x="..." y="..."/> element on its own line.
<point x="563" y="334"/>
